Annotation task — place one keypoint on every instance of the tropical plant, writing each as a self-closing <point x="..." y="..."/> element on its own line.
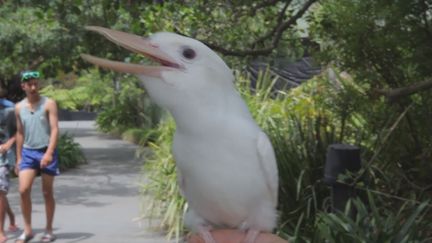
<point x="165" y="202"/>
<point x="301" y="125"/>
<point x="374" y="223"/>
<point x="70" y="153"/>
<point x="90" y="91"/>
<point x="131" y="108"/>
<point x="385" y="47"/>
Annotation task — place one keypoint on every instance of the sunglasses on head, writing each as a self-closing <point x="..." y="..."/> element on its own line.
<point x="30" y="75"/>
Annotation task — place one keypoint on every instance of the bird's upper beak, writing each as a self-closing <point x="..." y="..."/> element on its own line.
<point x="136" y="44"/>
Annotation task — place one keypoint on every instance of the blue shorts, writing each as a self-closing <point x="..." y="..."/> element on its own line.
<point x="31" y="159"/>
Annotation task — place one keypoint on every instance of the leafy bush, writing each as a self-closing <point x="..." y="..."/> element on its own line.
<point x="374" y="224"/>
<point x="131" y="108"/>
<point x="88" y="92"/>
<point x="384" y="47"/>
<point x="165" y="201"/>
<point x="70" y="154"/>
<point x="141" y="136"/>
<point x="134" y="135"/>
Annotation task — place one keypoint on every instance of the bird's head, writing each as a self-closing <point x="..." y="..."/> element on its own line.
<point x="188" y="71"/>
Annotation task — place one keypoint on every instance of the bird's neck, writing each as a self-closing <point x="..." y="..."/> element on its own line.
<point x="201" y="119"/>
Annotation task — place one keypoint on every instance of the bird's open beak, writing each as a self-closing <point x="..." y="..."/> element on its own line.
<point x="136" y="44"/>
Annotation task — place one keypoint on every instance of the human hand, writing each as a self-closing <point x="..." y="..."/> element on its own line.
<point x="3" y="148"/>
<point x="16" y="170"/>
<point x="46" y="160"/>
<point x="235" y="236"/>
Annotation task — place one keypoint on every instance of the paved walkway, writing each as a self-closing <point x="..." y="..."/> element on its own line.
<point x="98" y="202"/>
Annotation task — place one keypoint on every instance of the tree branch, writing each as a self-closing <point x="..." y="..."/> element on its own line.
<point x="425" y="17"/>
<point x="394" y="94"/>
<point x="263" y="4"/>
<point x="275" y="29"/>
<point x="35" y="63"/>
<point x="275" y="34"/>
<point x="291" y="21"/>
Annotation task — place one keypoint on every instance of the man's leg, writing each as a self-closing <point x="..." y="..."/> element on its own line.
<point x="2" y="215"/>
<point x="26" y="178"/>
<point x="11" y="215"/>
<point x="48" y="193"/>
<point x="4" y="187"/>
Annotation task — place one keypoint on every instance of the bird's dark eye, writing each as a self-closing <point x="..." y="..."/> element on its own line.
<point x="189" y="53"/>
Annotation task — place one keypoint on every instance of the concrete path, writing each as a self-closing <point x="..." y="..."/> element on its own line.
<point x="98" y="202"/>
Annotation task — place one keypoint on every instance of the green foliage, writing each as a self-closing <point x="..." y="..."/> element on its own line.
<point x="383" y="42"/>
<point x="141" y="136"/>
<point x="165" y="201"/>
<point x="131" y="108"/>
<point x="70" y="154"/>
<point x="133" y="135"/>
<point x="373" y="224"/>
<point x="89" y="92"/>
<point x="385" y="45"/>
<point x="23" y="43"/>
<point x="301" y="124"/>
<point x="49" y="35"/>
<point x="234" y="25"/>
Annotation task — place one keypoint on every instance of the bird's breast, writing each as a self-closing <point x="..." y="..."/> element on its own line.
<point x="221" y="174"/>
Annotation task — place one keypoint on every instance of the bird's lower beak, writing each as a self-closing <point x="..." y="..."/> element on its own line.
<point x="136" y="44"/>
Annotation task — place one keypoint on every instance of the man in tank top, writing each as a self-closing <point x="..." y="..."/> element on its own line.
<point x="36" y="141"/>
<point x="7" y="159"/>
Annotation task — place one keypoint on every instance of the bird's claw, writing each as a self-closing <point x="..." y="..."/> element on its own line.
<point x="251" y="236"/>
<point x="206" y="235"/>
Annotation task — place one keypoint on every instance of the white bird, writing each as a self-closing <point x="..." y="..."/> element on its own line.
<point x="225" y="163"/>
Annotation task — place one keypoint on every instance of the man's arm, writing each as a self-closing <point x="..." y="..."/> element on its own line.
<point x="19" y="137"/>
<point x="8" y="144"/>
<point x="51" y="107"/>
<point x="11" y="130"/>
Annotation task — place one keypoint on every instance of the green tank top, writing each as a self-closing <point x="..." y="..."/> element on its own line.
<point x="35" y="124"/>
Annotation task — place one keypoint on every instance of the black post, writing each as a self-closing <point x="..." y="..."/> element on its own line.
<point x="340" y="159"/>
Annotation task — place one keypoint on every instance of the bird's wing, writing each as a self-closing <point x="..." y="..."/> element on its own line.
<point x="268" y="164"/>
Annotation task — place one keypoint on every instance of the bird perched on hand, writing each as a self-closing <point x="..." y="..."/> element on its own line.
<point x="226" y="165"/>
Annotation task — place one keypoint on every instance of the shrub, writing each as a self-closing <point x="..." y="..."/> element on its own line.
<point x="374" y="224"/>
<point x="130" y="108"/>
<point x="70" y="154"/>
<point x="88" y="92"/>
<point x="165" y="202"/>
